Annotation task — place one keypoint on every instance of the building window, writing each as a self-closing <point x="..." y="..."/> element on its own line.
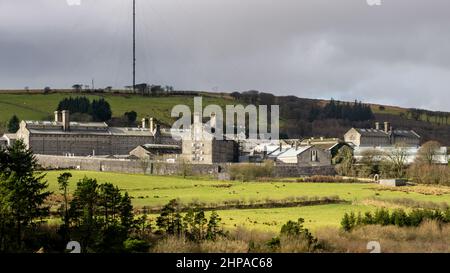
<point x="314" y="155"/>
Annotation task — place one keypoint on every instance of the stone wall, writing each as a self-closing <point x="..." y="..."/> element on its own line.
<point x="90" y="164"/>
<point x="296" y="171"/>
<point x="156" y="168"/>
<point x="124" y="165"/>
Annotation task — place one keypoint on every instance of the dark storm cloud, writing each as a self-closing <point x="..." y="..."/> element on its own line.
<point x="396" y="53"/>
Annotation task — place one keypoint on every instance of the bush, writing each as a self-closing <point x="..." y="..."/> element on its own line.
<point x="294" y="231"/>
<point x="327" y="179"/>
<point x="348" y="222"/>
<point x="136" y="246"/>
<point x="398" y="218"/>
<point x="429" y="174"/>
<point x="274" y="244"/>
<point x="428" y="237"/>
<point x="251" y="172"/>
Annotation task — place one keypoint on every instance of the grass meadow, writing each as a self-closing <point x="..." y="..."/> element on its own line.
<point x="41" y="106"/>
<point x="155" y="191"/>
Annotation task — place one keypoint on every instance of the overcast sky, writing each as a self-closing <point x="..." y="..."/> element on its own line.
<point x="397" y="53"/>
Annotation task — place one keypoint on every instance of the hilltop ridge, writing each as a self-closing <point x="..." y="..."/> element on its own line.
<point x="295" y="113"/>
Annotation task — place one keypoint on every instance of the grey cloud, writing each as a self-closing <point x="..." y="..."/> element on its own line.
<point x="391" y="54"/>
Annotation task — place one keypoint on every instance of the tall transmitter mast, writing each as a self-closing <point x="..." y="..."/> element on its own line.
<point x="134" y="46"/>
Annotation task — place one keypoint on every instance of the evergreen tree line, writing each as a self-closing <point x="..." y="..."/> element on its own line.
<point x="193" y="225"/>
<point x="429" y="116"/>
<point x="22" y="195"/>
<point x="99" y="216"/>
<point x="397" y="217"/>
<point x="356" y="111"/>
<point x="100" y="110"/>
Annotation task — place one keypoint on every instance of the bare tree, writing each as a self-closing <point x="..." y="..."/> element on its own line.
<point x="77" y="87"/>
<point x="344" y="161"/>
<point x="397" y="161"/>
<point x="370" y="161"/>
<point x="428" y="152"/>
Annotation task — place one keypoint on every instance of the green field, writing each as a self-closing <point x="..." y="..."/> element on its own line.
<point x="157" y="190"/>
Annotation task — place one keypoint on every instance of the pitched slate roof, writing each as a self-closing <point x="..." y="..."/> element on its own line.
<point x="294" y="151"/>
<point x="406" y="133"/>
<point x="161" y="146"/>
<point x="83" y="128"/>
<point x="382" y="133"/>
<point x="372" y="132"/>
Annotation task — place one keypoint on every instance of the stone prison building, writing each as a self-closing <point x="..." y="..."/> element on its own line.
<point x="64" y="137"/>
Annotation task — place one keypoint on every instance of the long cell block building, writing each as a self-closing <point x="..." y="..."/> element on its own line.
<point x="63" y="137"/>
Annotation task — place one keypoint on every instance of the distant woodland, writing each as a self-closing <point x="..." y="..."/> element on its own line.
<point x="314" y="118"/>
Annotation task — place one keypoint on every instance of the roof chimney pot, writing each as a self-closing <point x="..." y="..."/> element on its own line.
<point x="387" y="127"/>
<point x="66" y="120"/>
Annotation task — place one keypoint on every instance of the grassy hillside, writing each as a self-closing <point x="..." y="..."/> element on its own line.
<point x="157" y="190"/>
<point x="293" y="120"/>
<point x="41" y="107"/>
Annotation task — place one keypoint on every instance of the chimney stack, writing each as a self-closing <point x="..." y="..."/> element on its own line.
<point x="144" y="123"/>
<point x="197" y="118"/>
<point x="213" y="122"/>
<point x="152" y="125"/>
<point x="58" y="116"/>
<point x="387" y="127"/>
<point x="66" y="120"/>
<point x="377" y="125"/>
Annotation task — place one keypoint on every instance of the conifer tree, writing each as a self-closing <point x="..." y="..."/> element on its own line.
<point x="13" y="124"/>
<point x="23" y="191"/>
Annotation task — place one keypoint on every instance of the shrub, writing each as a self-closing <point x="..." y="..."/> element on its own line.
<point x="274" y="244"/>
<point x="348" y="221"/>
<point x="296" y="232"/>
<point x="398" y="218"/>
<point x="249" y="172"/>
<point x="429" y="236"/>
<point x="326" y="179"/>
<point x="135" y="245"/>
<point x="429" y="174"/>
<point x="382" y="217"/>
